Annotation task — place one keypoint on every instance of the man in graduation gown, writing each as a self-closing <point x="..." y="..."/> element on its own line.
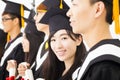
<point x="92" y="18"/>
<point x="12" y="20"/>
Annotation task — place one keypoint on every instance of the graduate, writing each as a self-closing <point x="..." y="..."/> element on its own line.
<point x="12" y="20"/>
<point x="33" y="37"/>
<point x="66" y="49"/>
<point x="92" y="18"/>
<point x="43" y="49"/>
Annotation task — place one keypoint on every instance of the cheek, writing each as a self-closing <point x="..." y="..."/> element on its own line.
<point x="82" y="11"/>
<point x="77" y="14"/>
<point x="82" y="18"/>
<point x="40" y="17"/>
<point x="52" y="46"/>
<point x="68" y="46"/>
<point x="41" y="27"/>
<point x="6" y="27"/>
<point x="37" y="25"/>
<point x="72" y="52"/>
<point x="71" y="46"/>
<point x="37" y="19"/>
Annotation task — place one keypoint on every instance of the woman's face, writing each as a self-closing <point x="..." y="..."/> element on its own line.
<point x="40" y="26"/>
<point x="25" y="43"/>
<point x="63" y="46"/>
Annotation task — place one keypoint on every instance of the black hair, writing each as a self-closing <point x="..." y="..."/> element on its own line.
<point x="13" y="16"/>
<point x="109" y="9"/>
<point x="3" y="40"/>
<point x="35" y="41"/>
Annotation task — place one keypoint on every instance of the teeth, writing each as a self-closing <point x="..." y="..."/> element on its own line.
<point x="60" y="53"/>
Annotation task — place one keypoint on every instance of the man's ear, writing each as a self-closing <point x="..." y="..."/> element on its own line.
<point x="99" y="7"/>
<point x="15" y="21"/>
<point x="79" y="40"/>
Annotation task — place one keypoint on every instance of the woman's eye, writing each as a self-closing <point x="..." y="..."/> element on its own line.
<point x="64" y="38"/>
<point x="52" y="40"/>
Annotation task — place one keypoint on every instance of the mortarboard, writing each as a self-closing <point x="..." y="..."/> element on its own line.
<point x="47" y="4"/>
<point x="56" y="19"/>
<point x="15" y="8"/>
<point x="26" y="3"/>
<point x="31" y="27"/>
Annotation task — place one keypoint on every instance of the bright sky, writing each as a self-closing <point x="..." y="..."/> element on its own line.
<point x="37" y="2"/>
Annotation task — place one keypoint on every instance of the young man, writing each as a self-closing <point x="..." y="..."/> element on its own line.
<point x="92" y="18"/>
<point x="11" y="20"/>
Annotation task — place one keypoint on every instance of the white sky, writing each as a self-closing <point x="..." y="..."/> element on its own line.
<point x="37" y="2"/>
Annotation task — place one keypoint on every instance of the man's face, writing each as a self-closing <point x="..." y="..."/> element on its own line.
<point x="81" y="15"/>
<point x="8" y="23"/>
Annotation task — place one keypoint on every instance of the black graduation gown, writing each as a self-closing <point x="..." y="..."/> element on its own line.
<point x="3" y="40"/>
<point x="16" y="54"/>
<point x="102" y="67"/>
<point x="39" y="73"/>
<point x="43" y="51"/>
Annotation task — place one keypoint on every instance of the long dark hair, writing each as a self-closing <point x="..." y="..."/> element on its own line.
<point x="3" y="40"/>
<point x="35" y="42"/>
<point x="54" y="67"/>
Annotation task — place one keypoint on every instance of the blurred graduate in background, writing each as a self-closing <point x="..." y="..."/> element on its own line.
<point x="12" y="20"/>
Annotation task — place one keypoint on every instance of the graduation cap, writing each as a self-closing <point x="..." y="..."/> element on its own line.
<point x="15" y="8"/>
<point x="47" y="4"/>
<point x="56" y="19"/>
<point x="26" y="3"/>
<point x="31" y="27"/>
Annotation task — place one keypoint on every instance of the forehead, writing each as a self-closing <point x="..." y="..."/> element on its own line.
<point x="6" y="15"/>
<point x="79" y="1"/>
<point x="41" y="12"/>
<point x="60" y="33"/>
